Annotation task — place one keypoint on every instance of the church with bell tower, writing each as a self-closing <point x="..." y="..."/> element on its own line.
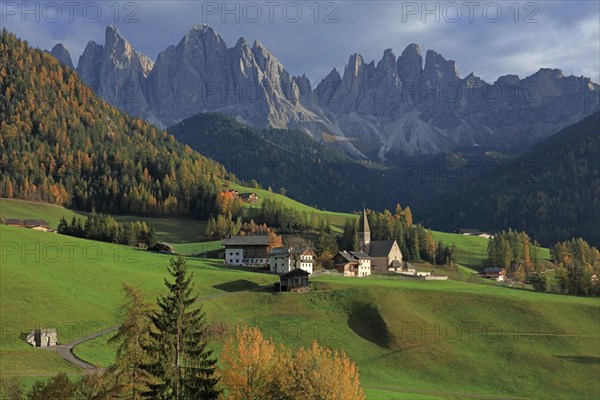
<point x="385" y="254"/>
<point x="364" y="234"/>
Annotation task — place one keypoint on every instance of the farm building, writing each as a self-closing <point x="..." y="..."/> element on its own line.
<point x="42" y="337"/>
<point x="497" y="274"/>
<point x="474" y="232"/>
<point x="162" y="247"/>
<point x="283" y="260"/>
<point x="35" y="224"/>
<point x="250" y="250"/>
<point x="295" y="280"/>
<point x="13" y="222"/>
<point x="352" y="263"/>
<point x="249" y="197"/>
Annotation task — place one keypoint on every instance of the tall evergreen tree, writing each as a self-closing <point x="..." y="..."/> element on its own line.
<point x="181" y="363"/>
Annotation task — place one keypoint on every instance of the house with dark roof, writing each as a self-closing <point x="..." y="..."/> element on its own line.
<point x="497" y="274"/>
<point x="13" y="222"/>
<point x="294" y="281"/>
<point x="382" y="252"/>
<point x="249" y="197"/>
<point x="474" y="232"/>
<point x="250" y="250"/>
<point x="352" y="263"/>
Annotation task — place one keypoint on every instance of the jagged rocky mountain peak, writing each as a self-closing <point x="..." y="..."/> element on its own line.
<point x="60" y="52"/>
<point x="396" y="104"/>
<point x="412" y="50"/>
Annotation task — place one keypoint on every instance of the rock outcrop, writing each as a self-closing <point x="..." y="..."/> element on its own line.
<point x="61" y="53"/>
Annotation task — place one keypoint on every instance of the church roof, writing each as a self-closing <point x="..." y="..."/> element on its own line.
<point x="381" y="248"/>
<point x="364" y="222"/>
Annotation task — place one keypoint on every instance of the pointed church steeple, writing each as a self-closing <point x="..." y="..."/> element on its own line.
<point x="364" y="233"/>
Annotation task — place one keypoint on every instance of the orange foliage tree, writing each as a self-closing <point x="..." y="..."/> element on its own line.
<point x="254" y="368"/>
<point x="249" y="364"/>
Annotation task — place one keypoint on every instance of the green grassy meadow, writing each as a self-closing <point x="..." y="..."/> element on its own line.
<point x="410" y="339"/>
<point x="184" y="233"/>
<point x="335" y="219"/>
<point x="172" y="230"/>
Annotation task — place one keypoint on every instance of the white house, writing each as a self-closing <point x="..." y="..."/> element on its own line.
<point x="42" y="337"/>
<point x="249" y="250"/>
<point x="353" y="263"/>
<point x="281" y="260"/>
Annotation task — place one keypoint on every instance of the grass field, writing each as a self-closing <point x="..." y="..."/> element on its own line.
<point x="411" y="339"/>
<point x="335" y="219"/>
<point x="184" y="233"/>
<point x="473" y="249"/>
<point x="173" y="230"/>
<point x="50" y="280"/>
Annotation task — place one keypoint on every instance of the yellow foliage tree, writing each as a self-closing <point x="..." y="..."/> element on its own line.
<point x="249" y="365"/>
<point x="253" y="368"/>
<point x="320" y="373"/>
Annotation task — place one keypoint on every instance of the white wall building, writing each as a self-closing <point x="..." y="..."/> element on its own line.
<point x="281" y="260"/>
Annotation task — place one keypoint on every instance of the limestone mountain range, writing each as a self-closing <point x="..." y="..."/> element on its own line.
<point x="401" y="104"/>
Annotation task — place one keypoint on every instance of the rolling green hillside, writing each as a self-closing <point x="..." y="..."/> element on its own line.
<point x="75" y="285"/>
<point x="184" y="232"/>
<point x="172" y="230"/>
<point x="410" y="339"/>
<point x="335" y="219"/>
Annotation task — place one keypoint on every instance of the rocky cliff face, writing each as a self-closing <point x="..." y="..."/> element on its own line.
<point x="61" y="53"/>
<point x="397" y="105"/>
<point x="118" y="74"/>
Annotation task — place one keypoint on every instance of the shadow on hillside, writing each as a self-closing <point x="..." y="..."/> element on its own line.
<point x="590" y="360"/>
<point x="366" y="321"/>
<point x="236" y="286"/>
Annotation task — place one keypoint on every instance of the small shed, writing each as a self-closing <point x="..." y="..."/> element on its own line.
<point x="295" y="280"/>
<point x="162" y="247"/>
<point x="42" y="337"/>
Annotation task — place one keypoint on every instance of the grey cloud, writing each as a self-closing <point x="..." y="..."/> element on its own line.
<point x="565" y="37"/>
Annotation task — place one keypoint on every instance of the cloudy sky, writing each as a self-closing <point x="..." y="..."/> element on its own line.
<point x="488" y="38"/>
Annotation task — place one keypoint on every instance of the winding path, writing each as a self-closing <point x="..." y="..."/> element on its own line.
<point x="66" y="350"/>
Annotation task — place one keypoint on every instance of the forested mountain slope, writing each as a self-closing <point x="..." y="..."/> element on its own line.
<point x="551" y="191"/>
<point x="62" y="144"/>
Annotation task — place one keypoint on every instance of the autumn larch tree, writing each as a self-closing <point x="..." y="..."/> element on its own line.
<point x="129" y="378"/>
<point x="250" y="365"/>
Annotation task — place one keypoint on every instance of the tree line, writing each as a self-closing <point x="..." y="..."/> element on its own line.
<point x="577" y="267"/>
<point x="105" y="228"/>
<point x="576" y="264"/>
<point x="514" y="251"/>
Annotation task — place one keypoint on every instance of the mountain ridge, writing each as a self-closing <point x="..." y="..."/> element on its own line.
<point x="405" y="105"/>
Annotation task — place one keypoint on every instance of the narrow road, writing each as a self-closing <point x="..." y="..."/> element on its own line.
<point x="66" y="350"/>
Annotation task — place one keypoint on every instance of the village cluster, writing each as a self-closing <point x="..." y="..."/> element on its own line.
<point x="381" y="256"/>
